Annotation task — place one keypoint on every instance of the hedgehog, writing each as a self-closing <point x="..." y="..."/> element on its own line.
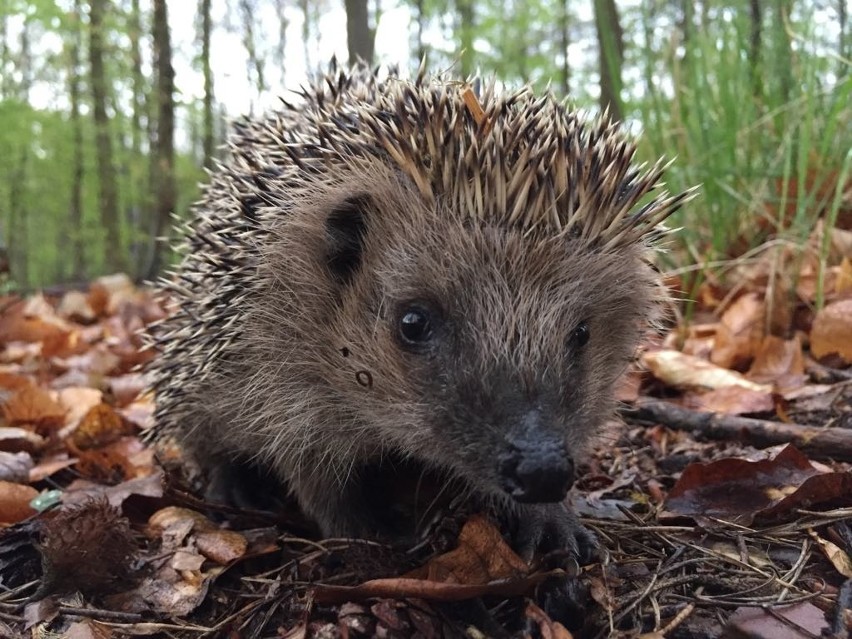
<point x="398" y="278"/>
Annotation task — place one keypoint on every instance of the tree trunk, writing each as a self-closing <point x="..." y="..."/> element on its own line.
<point x="611" y="56"/>
<point x="4" y="55"/>
<point x="207" y="127"/>
<point x="466" y="32"/>
<point x="18" y="227"/>
<point x="784" y="54"/>
<point x="107" y="188"/>
<point x="164" y="149"/>
<point x="138" y="101"/>
<point x="75" y="205"/>
<point x="842" y="38"/>
<point x="565" y="41"/>
<point x="138" y="202"/>
<point x="360" y="37"/>
<point x="254" y="64"/>
<point x="421" y="18"/>
<point x="280" y="49"/>
<point x="756" y="17"/>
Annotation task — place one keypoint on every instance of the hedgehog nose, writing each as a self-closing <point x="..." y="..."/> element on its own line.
<point x="535" y="466"/>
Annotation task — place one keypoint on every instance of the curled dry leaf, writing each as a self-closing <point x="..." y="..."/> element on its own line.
<point x="683" y="371"/>
<point x="482" y="564"/>
<point x="221" y="546"/>
<point x="779" y="362"/>
<point x="75" y="306"/>
<point x="832" y="331"/>
<point x="77" y="401"/>
<point x="20" y="439"/>
<point x="101" y="425"/>
<point x="739" y="332"/>
<point x="37" y="407"/>
<point x="838" y="557"/>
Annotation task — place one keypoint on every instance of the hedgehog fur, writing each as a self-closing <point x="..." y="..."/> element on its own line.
<point x="502" y="233"/>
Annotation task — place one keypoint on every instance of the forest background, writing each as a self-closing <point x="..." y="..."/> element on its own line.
<point x="110" y="111"/>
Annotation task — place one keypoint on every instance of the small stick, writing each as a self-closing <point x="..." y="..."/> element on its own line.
<point x="820" y="443"/>
<point x="475" y="109"/>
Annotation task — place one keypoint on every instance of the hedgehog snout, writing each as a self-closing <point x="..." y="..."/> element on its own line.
<point x="535" y="465"/>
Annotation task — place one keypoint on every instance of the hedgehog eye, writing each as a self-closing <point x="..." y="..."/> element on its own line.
<point x="415" y="326"/>
<point x="580" y="335"/>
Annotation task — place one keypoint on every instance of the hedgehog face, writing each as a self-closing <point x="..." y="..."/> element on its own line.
<point x="478" y="347"/>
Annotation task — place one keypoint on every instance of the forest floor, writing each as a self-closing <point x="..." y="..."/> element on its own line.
<point x="723" y="503"/>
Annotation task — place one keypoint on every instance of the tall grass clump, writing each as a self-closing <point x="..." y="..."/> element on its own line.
<point x="758" y="111"/>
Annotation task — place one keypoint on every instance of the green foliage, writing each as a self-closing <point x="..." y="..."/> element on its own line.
<point x="761" y="139"/>
<point x="765" y="129"/>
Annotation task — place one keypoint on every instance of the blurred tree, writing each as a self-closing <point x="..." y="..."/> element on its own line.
<point x="208" y="134"/>
<point x="466" y="32"/>
<point x="18" y="227"/>
<point x="164" y="146"/>
<point x="75" y="204"/>
<point x="564" y="42"/>
<point x="360" y="37"/>
<point x="610" y="56"/>
<point x="254" y="63"/>
<point x="108" y="190"/>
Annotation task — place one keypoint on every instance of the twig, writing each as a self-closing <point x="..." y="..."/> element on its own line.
<point x="822" y="443"/>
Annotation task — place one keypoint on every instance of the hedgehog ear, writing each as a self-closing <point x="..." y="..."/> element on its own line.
<point x="345" y="229"/>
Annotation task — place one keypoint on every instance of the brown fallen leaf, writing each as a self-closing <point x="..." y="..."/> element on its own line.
<point x="838" y="557"/>
<point x="739" y="332"/>
<point x="482" y="564"/>
<point x="101" y="425"/>
<point x="831" y="333"/>
<point x="401" y="587"/>
<point x="731" y="400"/>
<point x="741" y="491"/>
<point x="684" y="371"/>
<point x="221" y="546"/>
<point x="779" y="362"/>
<point x="482" y="556"/>
<point x="799" y="621"/>
<point x="15" y="502"/>
<point x="15" y="440"/>
<point x="37" y="407"/>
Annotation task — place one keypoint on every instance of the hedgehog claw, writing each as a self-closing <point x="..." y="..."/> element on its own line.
<point x="553" y="533"/>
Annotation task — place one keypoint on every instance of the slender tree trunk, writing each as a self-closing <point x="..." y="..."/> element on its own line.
<point x="254" y="64"/>
<point x="360" y="37"/>
<point x="138" y="100"/>
<point x="107" y="191"/>
<point x="564" y="43"/>
<point x="611" y="56"/>
<point x="784" y="56"/>
<point x="842" y="37"/>
<point x="467" y="28"/>
<point x="75" y="205"/>
<point x="756" y="17"/>
<point x="280" y="49"/>
<point x="305" y="6"/>
<point x="207" y="126"/>
<point x="18" y="218"/>
<point x="420" y="46"/>
<point x="164" y="151"/>
<point x="138" y="201"/>
<point x="4" y="55"/>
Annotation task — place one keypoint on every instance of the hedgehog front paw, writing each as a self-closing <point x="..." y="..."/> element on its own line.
<point x="552" y="529"/>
